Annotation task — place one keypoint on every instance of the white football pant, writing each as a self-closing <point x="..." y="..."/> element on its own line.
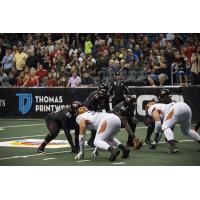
<point x="179" y="113"/>
<point x="107" y="129"/>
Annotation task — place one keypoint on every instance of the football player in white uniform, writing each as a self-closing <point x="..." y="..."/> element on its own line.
<point x="107" y="126"/>
<point x="172" y="114"/>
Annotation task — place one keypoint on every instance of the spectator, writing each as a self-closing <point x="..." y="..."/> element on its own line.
<point x="102" y="64"/>
<point x="74" y="81"/>
<point x="157" y="73"/>
<point x="42" y="74"/>
<point x="20" y="60"/>
<point x="190" y="49"/>
<point x="87" y="80"/>
<point x="59" y="61"/>
<point x="63" y="81"/>
<point x="181" y="68"/>
<point x="170" y="37"/>
<point x="32" y="80"/>
<point x="12" y="79"/>
<point x="73" y="51"/>
<point x="2" y="49"/>
<point x="31" y="60"/>
<point x="74" y="62"/>
<point x="4" y="80"/>
<point x="21" y="79"/>
<point x="131" y="58"/>
<point x="88" y="46"/>
<point x="162" y="41"/>
<point x="195" y="69"/>
<point x="28" y="47"/>
<point x="111" y="65"/>
<point x="7" y="62"/>
<point x="46" y="59"/>
<point x="136" y="49"/>
<point x="50" y="46"/>
<point x="51" y="81"/>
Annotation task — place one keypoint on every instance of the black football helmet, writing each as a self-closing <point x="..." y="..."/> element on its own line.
<point x="102" y="92"/>
<point x="129" y="100"/>
<point x="75" y="105"/>
<point x="165" y="96"/>
<point x="103" y="86"/>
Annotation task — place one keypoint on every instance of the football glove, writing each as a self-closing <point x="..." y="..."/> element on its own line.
<point x="95" y="153"/>
<point x="79" y="156"/>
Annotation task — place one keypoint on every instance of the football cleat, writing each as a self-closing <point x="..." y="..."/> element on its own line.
<point x="148" y="141"/>
<point x="74" y="150"/>
<point x="125" y="153"/>
<point x="173" y="149"/>
<point x="40" y="149"/>
<point x="114" y="153"/>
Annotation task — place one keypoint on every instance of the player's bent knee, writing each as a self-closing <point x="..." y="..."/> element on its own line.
<point x="164" y="127"/>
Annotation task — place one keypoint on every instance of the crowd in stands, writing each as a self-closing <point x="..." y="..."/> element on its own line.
<point x="76" y="60"/>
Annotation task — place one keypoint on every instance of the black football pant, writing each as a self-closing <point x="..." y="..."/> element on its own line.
<point x="54" y="129"/>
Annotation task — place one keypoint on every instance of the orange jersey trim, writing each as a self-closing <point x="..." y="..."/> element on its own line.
<point x="102" y="127"/>
<point x="169" y="116"/>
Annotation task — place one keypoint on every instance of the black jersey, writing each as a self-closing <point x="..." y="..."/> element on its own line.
<point x="126" y="111"/>
<point x="118" y="90"/>
<point x="64" y="114"/>
<point x="97" y="103"/>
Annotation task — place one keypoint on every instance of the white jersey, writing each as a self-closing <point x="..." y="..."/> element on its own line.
<point x="161" y="108"/>
<point x="94" y="119"/>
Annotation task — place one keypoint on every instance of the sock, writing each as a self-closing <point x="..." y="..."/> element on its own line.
<point x="111" y="148"/>
<point x="171" y="143"/>
<point x="150" y="130"/>
<point x="169" y="134"/>
<point x="122" y="147"/>
<point x="93" y="134"/>
<point x="44" y="143"/>
<point x="81" y="142"/>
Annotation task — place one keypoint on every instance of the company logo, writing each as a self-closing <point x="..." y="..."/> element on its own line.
<point x="25" y="102"/>
<point x="35" y="143"/>
<point x="2" y="102"/>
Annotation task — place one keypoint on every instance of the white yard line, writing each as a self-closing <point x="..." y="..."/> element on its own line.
<point x="80" y="161"/>
<point x="119" y="163"/>
<point x="21" y="137"/>
<point x="26" y="125"/>
<point x="41" y="154"/>
<point x="49" y="159"/>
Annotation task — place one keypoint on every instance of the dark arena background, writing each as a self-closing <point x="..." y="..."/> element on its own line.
<point x="35" y="73"/>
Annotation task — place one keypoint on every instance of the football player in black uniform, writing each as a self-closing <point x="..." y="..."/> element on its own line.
<point x="164" y="97"/>
<point x="118" y="89"/>
<point x="125" y="111"/>
<point x="97" y="101"/>
<point x="62" y="119"/>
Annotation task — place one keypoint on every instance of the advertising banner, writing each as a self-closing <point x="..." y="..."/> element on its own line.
<point x="38" y="102"/>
